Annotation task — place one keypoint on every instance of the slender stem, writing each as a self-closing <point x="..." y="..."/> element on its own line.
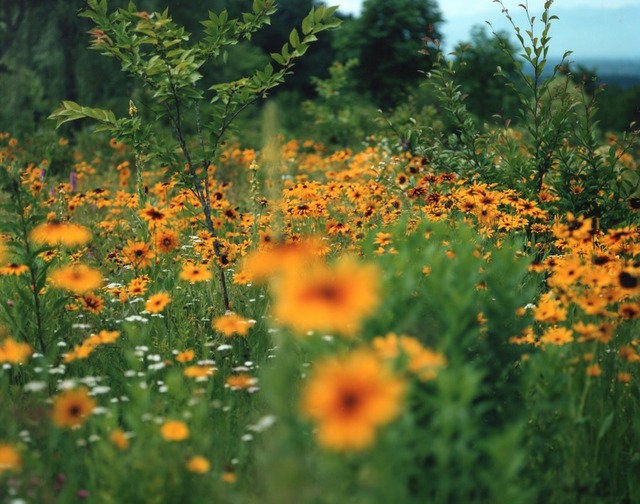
<point x="32" y="271"/>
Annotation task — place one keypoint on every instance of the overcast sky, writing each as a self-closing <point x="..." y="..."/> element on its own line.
<point x="597" y="32"/>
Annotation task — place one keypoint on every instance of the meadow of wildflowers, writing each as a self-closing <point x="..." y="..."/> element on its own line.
<point x="334" y="326"/>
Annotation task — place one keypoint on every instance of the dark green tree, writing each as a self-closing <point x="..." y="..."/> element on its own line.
<point x="480" y="59"/>
<point x="386" y="40"/>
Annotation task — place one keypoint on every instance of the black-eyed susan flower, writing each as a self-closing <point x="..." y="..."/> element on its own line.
<point x="195" y="273"/>
<point x="138" y="254"/>
<point x="198" y="464"/>
<point x="186" y="356"/>
<point x="349" y="398"/>
<point x="166" y="241"/>
<point x="76" y="278"/>
<point x="14" y="269"/>
<point x="10" y="459"/>
<point x="14" y="352"/>
<point x="157" y="302"/>
<point x="199" y="372"/>
<point x="119" y="439"/>
<point x="327" y="298"/>
<point x="240" y="381"/>
<point x="92" y="303"/>
<point x="72" y="407"/>
<point x="56" y="232"/>
<point x="174" y="430"/>
<point x="232" y="323"/>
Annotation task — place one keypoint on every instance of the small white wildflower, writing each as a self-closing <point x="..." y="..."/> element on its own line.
<point x="35" y="386"/>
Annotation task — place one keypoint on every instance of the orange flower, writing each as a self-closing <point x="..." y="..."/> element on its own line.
<point x="557" y="336"/>
<point x="231" y="323"/>
<point x="174" y="430"/>
<point x="594" y="370"/>
<point x="241" y="381"/>
<point x="349" y="398"/>
<point x="10" y="459"/>
<point x="326" y="298"/>
<point x="13" y="352"/>
<point x="195" y="273"/>
<point x="92" y="303"/>
<point x="199" y="372"/>
<point x="154" y="216"/>
<point x="72" y="407"/>
<point x="157" y="302"/>
<point x="167" y="241"/>
<point x="119" y="439"/>
<point x="76" y="278"/>
<point x="186" y="356"/>
<point x="137" y="254"/>
<point x="55" y="232"/>
<point x="421" y="361"/>
<point x="198" y="465"/>
<point x="14" y="269"/>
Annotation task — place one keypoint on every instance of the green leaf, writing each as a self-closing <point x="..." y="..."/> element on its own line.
<point x="294" y="39"/>
<point x="606" y="425"/>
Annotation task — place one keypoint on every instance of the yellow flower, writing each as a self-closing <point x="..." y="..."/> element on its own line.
<point x="10" y="459"/>
<point x="72" y="407"/>
<point x="349" y="398"/>
<point x="76" y="278"/>
<point x="240" y="381"/>
<point x="167" y="241"/>
<point x="174" y="430"/>
<point x="421" y="361"/>
<point x="60" y="233"/>
<point x="186" y="356"/>
<point x="328" y="299"/>
<point x="157" y="302"/>
<point x="594" y="370"/>
<point x="119" y="439"/>
<point x="199" y="371"/>
<point x="557" y="336"/>
<point x="14" y="352"/>
<point x="198" y="465"/>
<point x="231" y="323"/>
<point x="195" y="273"/>
<point x="14" y="269"/>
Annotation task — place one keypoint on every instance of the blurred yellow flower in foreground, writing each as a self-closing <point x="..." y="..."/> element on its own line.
<point x="327" y="298"/>
<point x="174" y="430"/>
<point x="349" y="398"/>
<point x="72" y="407"/>
<point x="10" y="459"/>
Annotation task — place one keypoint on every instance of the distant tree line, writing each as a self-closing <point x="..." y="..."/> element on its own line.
<point x="44" y="58"/>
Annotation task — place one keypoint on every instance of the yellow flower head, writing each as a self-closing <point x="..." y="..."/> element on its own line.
<point x="198" y="465"/>
<point x="174" y="430"/>
<point x="14" y="352"/>
<point x="327" y="298"/>
<point x="76" y="278"/>
<point x="10" y="459"/>
<point x="195" y="273"/>
<point x="72" y="407"/>
<point x="60" y="233"/>
<point x="157" y="302"/>
<point x="349" y="398"/>
<point x="231" y="323"/>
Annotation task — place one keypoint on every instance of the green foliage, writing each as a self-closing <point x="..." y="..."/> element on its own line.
<point x="386" y="40"/>
<point x="563" y="158"/>
<point x="158" y="53"/>
<point x="477" y="63"/>
<point x="337" y="116"/>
